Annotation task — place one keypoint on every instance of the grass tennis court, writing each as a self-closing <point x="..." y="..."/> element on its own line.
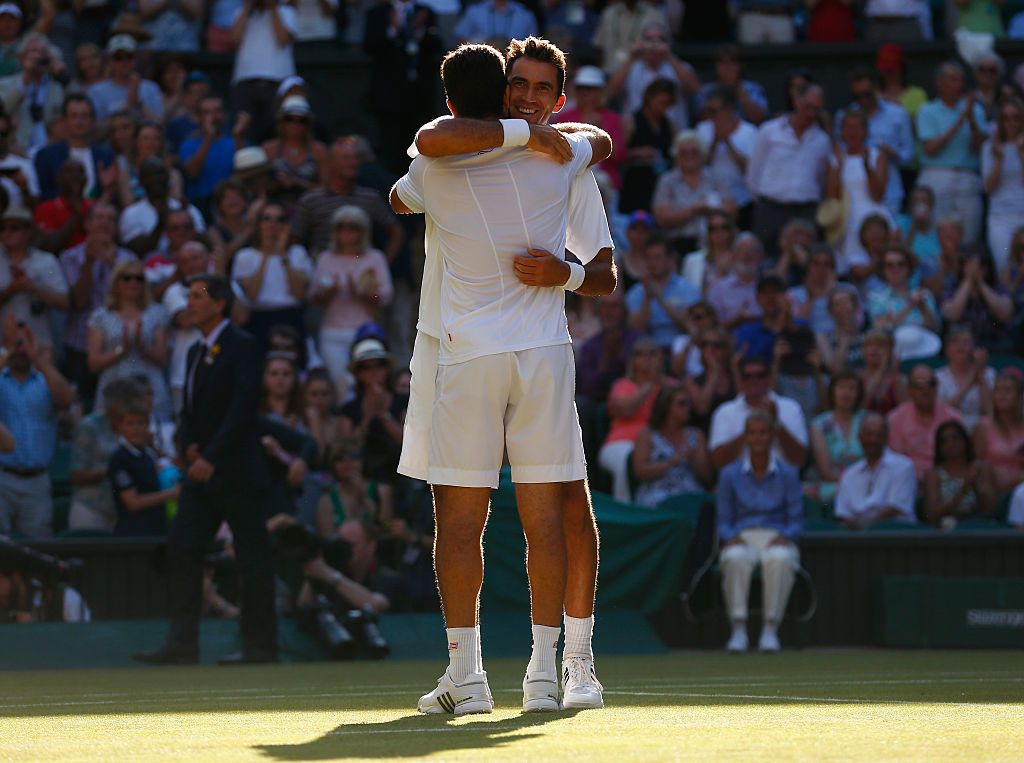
<point x="813" y="705"/>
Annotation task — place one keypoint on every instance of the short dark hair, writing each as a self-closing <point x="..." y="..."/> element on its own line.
<point x="538" y="49"/>
<point x="771" y="283"/>
<point x="961" y="430"/>
<point x="845" y="374"/>
<point x="77" y="98"/>
<point x="660" y="86"/>
<point x="217" y="287"/>
<point x="725" y="95"/>
<point x="474" y="81"/>
<point x="860" y="73"/>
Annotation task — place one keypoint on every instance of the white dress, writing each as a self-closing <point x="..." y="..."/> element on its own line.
<point x="855" y="182"/>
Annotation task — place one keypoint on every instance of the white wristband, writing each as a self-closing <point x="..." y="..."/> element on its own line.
<point x="577" y="273"/>
<point x="516" y="131"/>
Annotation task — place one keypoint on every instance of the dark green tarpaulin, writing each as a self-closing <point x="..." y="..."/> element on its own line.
<point x="642" y="552"/>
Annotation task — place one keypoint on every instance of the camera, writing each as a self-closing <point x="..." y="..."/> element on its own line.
<point x="319" y="620"/>
<point x="47" y="569"/>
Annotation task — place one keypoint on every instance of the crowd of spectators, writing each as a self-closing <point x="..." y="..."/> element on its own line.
<point x="820" y="300"/>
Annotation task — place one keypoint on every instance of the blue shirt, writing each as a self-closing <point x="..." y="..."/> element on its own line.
<point x="107" y="97"/>
<point x="178" y="129"/>
<point x="483" y="22"/>
<point x="27" y="410"/>
<point x="218" y="166"/>
<point x="925" y="246"/>
<point x="933" y="119"/>
<point x="678" y="293"/>
<point x="889" y="126"/>
<point x="744" y="502"/>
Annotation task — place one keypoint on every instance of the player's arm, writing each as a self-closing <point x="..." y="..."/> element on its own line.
<point x="397" y="205"/>
<point x="600" y="141"/>
<point x="453" y="137"/>
<point x="540" y="268"/>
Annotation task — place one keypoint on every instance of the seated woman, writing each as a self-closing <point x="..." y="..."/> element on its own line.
<point x="910" y="314"/>
<point x="686" y="348"/>
<point x="843" y="346"/>
<point x="835" y="441"/>
<point x="670" y="457"/>
<point x="321" y="417"/>
<point x="810" y="300"/>
<point x="629" y="406"/>
<point x="977" y="299"/>
<point x="884" y="387"/>
<point x="760" y="517"/>
<point x="966" y="382"/>
<point x="717" y="384"/>
<point x="959" y="485"/>
<point x="999" y="438"/>
<point x="713" y="261"/>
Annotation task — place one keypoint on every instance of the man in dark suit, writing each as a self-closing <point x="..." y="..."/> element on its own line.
<point x="402" y="40"/>
<point x="98" y="160"/>
<point x="226" y="480"/>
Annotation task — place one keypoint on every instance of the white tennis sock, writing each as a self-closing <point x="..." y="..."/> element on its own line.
<point x="545" y="648"/>
<point x="579" y="632"/>
<point x="463" y="652"/>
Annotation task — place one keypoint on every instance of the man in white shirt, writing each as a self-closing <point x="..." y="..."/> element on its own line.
<point x="786" y="170"/>
<point x="727" y="424"/>
<point x="265" y="31"/>
<point x="731" y="139"/>
<point x="879" y="487"/>
<point x="538" y="85"/>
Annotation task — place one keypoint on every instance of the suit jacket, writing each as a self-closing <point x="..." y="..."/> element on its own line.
<point x="221" y="413"/>
<point x="49" y="159"/>
<point x="404" y="71"/>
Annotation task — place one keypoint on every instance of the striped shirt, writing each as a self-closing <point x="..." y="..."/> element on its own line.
<point x="312" y="223"/>
<point x="27" y="410"/>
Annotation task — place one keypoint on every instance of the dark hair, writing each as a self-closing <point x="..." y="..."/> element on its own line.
<point x="725" y="95"/>
<point x="221" y="189"/>
<point x="77" y="98"/>
<point x="962" y="431"/>
<point x="294" y="405"/>
<point x="165" y="62"/>
<point x="752" y="360"/>
<point x="217" y="287"/>
<point x="120" y="391"/>
<point x="292" y="334"/>
<point x="657" y="239"/>
<point x="728" y="52"/>
<point x="792" y="74"/>
<point x="873" y="219"/>
<point x="859" y="73"/>
<point x="662" y="405"/>
<point x="538" y="49"/>
<point x="474" y="81"/>
<point x="658" y="87"/>
<point x="771" y="282"/>
<point x="845" y="374"/>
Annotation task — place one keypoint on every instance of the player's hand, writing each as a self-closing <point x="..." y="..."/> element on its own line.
<point x="547" y="140"/>
<point x="540" y="268"/>
<point x="201" y="470"/>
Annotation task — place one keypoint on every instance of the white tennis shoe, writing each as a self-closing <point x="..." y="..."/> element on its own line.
<point x="471" y="696"/>
<point x="580" y="688"/>
<point x="540" y="693"/>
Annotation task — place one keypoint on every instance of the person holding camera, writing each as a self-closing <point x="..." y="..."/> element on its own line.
<point x="226" y="480"/>
<point x="17" y="174"/>
<point x="32" y="392"/>
<point x="33" y="96"/>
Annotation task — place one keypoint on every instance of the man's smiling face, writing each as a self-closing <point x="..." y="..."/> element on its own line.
<point x="532" y="92"/>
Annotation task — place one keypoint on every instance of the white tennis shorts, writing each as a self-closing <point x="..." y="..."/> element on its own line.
<point x="520" y="401"/>
<point x="416" y="437"/>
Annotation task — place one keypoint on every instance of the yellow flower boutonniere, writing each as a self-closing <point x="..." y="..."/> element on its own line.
<point x="211" y="356"/>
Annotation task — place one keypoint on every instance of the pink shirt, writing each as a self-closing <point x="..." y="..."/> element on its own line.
<point x="1002" y="450"/>
<point x="611" y="123"/>
<point x="627" y="429"/>
<point x="346" y="310"/>
<point x="914" y="436"/>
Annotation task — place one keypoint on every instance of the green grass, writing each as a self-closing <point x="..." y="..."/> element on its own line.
<point x="814" y="705"/>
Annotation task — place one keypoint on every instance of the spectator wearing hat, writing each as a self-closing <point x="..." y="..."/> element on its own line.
<point x="375" y="416"/>
<point x="892" y="71"/>
<point x="352" y="283"/>
<point x="312" y="223"/>
<point x="951" y="129"/>
<point x="495" y="22"/>
<point x="79" y="118"/>
<point x="209" y="157"/>
<point x="621" y="26"/>
<point x="657" y="305"/>
<point x="174" y="25"/>
<point x="590" y="108"/>
<point x="753" y="103"/>
<point x="195" y="88"/>
<point x="650" y="59"/>
<point x="124" y="88"/>
<point x="264" y="31"/>
<point x="787" y="167"/>
<point x="31" y="281"/>
<point x="298" y="159"/>
<point x="11" y="19"/>
<point x="886" y="21"/>
<point x="142" y="225"/>
<point x="33" y="96"/>
<point x="32" y="392"/>
<point x="729" y="139"/>
<point x="253" y="170"/>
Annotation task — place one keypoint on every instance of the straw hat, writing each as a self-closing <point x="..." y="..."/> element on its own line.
<point x="832" y="217"/>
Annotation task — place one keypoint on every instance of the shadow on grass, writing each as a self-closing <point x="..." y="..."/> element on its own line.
<point x="415" y="736"/>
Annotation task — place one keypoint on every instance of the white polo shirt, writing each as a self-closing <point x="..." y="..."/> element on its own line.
<point x="787" y="168"/>
<point x="488" y="208"/>
<point x="730" y="420"/>
<point x="864" y="492"/>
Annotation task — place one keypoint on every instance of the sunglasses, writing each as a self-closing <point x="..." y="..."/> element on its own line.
<point x="123" y="56"/>
<point x="180" y="226"/>
<point x="347" y="226"/>
<point x="861" y="95"/>
<point x="754" y="375"/>
<point x="129" y="277"/>
<point x="14" y="227"/>
<point x="987" y="70"/>
<point x="368" y="365"/>
<point x="294" y="119"/>
<point x="713" y="228"/>
<point x="273" y="218"/>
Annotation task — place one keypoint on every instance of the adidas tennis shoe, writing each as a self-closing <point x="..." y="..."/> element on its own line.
<point x="470" y="696"/>
<point x="540" y="693"/>
<point x="580" y="688"/>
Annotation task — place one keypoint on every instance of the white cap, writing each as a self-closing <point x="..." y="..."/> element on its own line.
<point x="12" y="9"/>
<point x="250" y="158"/>
<point x="121" y="42"/>
<point x="589" y="76"/>
<point x="288" y="83"/>
<point x="296" y="104"/>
